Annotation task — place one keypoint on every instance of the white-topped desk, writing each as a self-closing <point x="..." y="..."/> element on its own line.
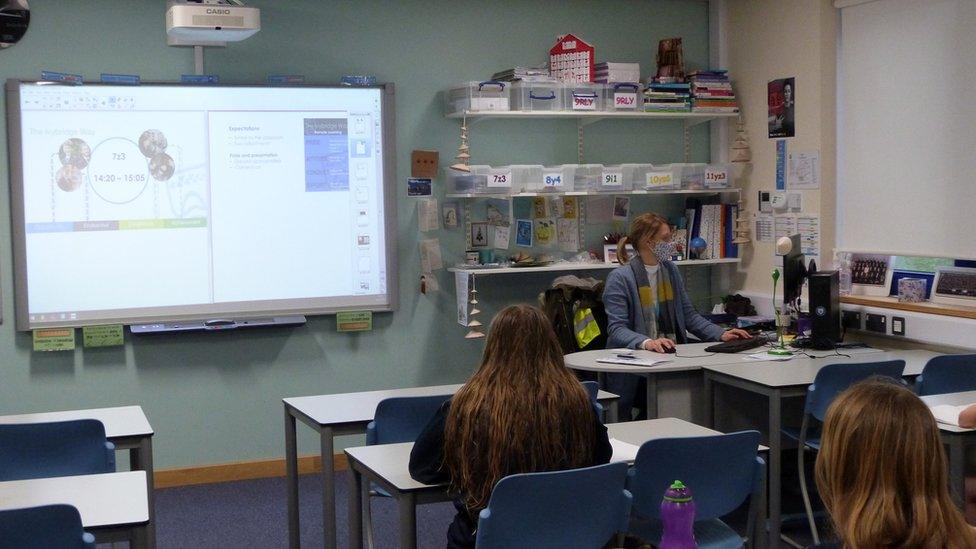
<point x="958" y="439"/>
<point x="387" y="466"/>
<point x="125" y="426"/>
<point x="689" y="357"/>
<point x="777" y="380"/>
<point x="335" y="415"/>
<point x="113" y="506"/>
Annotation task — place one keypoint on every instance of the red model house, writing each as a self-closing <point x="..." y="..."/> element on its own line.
<point x="571" y="60"/>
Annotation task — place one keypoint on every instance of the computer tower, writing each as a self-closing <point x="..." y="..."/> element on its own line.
<point x="825" y="308"/>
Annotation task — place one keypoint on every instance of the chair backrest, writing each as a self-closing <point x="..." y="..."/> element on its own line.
<point x="54" y="449"/>
<point x="833" y="379"/>
<point x="947" y="374"/>
<point x="401" y="419"/>
<point x="44" y="527"/>
<point x="720" y="470"/>
<point x="592" y="388"/>
<point x="557" y="509"/>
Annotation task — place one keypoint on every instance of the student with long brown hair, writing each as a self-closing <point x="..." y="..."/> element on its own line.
<point x="647" y="305"/>
<point x="522" y="411"/>
<point x="882" y="475"/>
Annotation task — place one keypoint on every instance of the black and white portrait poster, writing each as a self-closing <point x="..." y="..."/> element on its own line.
<point x="782" y="106"/>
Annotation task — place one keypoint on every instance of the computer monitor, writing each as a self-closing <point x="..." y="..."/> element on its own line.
<point x="794" y="272"/>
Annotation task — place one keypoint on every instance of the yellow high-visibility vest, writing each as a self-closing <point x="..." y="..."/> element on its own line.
<point x="585" y="326"/>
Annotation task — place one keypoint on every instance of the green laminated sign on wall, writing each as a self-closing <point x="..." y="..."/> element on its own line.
<point x="54" y="339"/>
<point x="103" y="336"/>
<point x="354" y="321"/>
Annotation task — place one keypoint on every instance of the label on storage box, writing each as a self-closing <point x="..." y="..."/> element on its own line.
<point x="613" y="178"/>
<point x="625" y="100"/>
<point x="553" y="178"/>
<point x="716" y="177"/>
<point x="584" y="101"/>
<point x="500" y="178"/>
<point x="662" y="179"/>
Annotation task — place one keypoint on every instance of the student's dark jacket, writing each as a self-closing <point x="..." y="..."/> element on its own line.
<point x="427" y="466"/>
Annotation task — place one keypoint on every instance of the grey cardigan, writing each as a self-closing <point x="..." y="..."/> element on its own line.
<point x="625" y="321"/>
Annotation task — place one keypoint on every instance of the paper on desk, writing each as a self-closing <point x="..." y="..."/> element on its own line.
<point x="634" y="361"/>
<point x="948" y="414"/>
<point x="623" y="451"/>
<point x="767" y="356"/>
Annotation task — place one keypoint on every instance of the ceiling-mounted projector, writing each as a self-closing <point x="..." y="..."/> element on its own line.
<point x="209" y="22"/>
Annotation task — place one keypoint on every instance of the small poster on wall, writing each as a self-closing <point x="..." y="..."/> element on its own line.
<point x="781" y="96"/>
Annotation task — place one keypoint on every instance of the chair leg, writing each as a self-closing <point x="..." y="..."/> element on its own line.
<point x="800" y="453"/>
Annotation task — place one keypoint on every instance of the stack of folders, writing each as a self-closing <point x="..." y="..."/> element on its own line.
<point x="613" y="73"/>
<point x="712" y="92"/>
<point x="667" y="96"/>
<point x="530" y="74"/>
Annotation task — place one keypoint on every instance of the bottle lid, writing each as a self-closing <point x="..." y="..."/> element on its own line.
<point x="678" y="493"/>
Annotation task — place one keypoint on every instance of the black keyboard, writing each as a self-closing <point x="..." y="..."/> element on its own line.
<point x="736" y="345"/>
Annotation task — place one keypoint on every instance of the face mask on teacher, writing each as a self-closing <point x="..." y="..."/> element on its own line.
<point x="665" y="250"/>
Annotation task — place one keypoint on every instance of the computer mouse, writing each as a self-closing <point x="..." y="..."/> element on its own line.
<point x="670" y="350"/>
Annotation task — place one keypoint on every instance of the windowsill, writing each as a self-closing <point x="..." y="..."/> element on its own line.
<point x="927" y="307"/>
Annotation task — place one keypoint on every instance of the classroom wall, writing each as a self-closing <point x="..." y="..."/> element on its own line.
<point x="216" y="397"/>
<point x="769" y="40"/>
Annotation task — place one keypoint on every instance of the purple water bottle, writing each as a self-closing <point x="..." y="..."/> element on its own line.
<point x="678" y="517"/>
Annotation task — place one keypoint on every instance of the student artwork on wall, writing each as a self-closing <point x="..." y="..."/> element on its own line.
<point x="523" y="233"/>
<point x="450" y="214"/>
<point x="479" y="234"/>
<point x="545" y="232"/>
<point x="781" y="96"/>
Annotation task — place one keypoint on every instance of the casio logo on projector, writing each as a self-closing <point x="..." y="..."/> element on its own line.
<point x="213" y="11"/>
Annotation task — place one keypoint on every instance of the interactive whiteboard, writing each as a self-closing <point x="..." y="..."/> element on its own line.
<point x="135" y="204"/>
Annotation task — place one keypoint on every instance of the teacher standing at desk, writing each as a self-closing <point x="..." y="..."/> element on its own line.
<point x="647" y="305"/>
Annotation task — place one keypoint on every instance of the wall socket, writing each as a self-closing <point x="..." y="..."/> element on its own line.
<point x="876" y="323"/>
<point x="898" y="325"/>
<point x="851" y="320"/>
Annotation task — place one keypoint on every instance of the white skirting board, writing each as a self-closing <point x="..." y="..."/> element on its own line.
<point x="919" y="327"/>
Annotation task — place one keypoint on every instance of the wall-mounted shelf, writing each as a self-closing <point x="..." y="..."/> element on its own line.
<point x="589" y="117"/>
<point x="567" y="266"/>
<point x="595" y="193"/>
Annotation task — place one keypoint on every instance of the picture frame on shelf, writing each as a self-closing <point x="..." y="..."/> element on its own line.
<point x="479" y="234"/>
<point x="610" y="253"/>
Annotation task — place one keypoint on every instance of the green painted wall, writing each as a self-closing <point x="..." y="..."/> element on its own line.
<point x="217" y="397"/>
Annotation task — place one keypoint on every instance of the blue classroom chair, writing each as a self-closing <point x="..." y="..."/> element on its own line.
<point x="398" y="419"/>
<point x="557" y="509"/>
<point x="54" y="449"/>
<point x="947" y="374"/>
<point x="831" y="380"/>
<point x="722" y="471"/>
<point x="592" y="390"/>
<point x="43" y="528"/>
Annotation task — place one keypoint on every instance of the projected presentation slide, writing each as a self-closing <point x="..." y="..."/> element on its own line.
<point x="187" y="200"/>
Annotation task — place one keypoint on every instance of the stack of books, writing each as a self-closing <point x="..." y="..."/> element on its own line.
<point x="529" y="74"/>
<point x="667" y="97"/>
<point x="712" y="92"/>
<point x="613" y="73"/>
<point x="714" y="222"/>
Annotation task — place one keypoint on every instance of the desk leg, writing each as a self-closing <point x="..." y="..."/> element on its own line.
<point x="651" y="396"/>
<point x="356" y="510"/>
<point x="957" y="477"/>
<point x="291" y="467"/>
<point x="775" y="467"/>
<point x="328" y="488"/>
<point x="613" y="412"/>
<point x="139" y="537"/>
<point x="141" y="459"/>
<point x="709" y="395"/>
<point x="408" y="521"/>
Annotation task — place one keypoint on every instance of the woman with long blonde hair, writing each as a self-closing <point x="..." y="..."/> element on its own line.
<point x="522" y="411"/>
<point x="882" y="475"/>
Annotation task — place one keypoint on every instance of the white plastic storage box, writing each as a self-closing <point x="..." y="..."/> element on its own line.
<point x="498" y="180"/>
<point x="624" y="96"/>
<point x="635" y="175"/>
<point x="580" y="96"/>
<point x="558" y="179"/>
<point x="526" y="177"/>
<point x="661" y="177"/>
<point x="490" y="95"/>
<point x="537" y="96"/>
<point x="586" y="177"/>
<point x="717" y="176"/>
<point x="465" y="182"/>
<point x="692" y="175"/>
<point x="614" y="179"/>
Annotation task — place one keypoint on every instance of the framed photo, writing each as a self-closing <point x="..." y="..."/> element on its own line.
<point x="523" y="233"/>
<point x="871" y="274"/>
<point x="450" y="214"/>
<point x="479" y="234"/>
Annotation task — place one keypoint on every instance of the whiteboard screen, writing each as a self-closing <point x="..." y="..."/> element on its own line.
<point x="163" y="202"/>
